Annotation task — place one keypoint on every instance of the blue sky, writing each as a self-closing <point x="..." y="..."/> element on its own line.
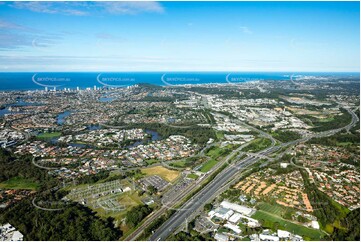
<point x="179" y="36"/>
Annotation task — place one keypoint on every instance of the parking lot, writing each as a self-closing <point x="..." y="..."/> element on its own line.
<point x="204" y="225"/>
<point x="175" y="190"/>
<point x="155" y="181"/>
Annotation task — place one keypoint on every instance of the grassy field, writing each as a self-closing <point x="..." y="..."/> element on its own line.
<point x="166" y="174"/>
<point x="48" y="135"/>
<point x="208" y="165"/>
<point x="192" y="176"/>
<point x="180" y="164"/>
<point x="344" y="143"/>
<point x="217" y="152"/>
<point x="274" y="209"/>
<point x="19" y="183"/>
<point x="214" y="152"/>
<point x="269" y="221"/>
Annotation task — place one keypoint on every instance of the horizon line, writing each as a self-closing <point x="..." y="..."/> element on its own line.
<point x="159" y="71"/>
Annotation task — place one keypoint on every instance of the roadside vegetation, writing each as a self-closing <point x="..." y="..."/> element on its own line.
<point x="257" y="145"/>
<point x="188" y="162"/>
<point x="286" y="135"/>
<point x="208" y="165"/>
<point x="134" y="216"/>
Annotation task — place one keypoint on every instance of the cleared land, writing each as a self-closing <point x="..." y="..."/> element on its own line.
<point x="166" y="174"/>
<point x="19" y="183"/>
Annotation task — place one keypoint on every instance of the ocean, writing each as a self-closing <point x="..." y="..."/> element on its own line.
<point x="60" y="80"/>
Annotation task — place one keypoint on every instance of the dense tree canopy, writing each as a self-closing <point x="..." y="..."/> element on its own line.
<point x="351" y="227"/>
<point x="74" y="222"/>
<point x="137" y="214"/>
<point x="11" y="166"/>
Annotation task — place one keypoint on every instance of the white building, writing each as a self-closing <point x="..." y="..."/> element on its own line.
<point x="238" y="208"/>
<point x="235" y="218"/>
<point x="221" y="212"/>
<point x="283" y="234"/>
<point x="315" y="225"/>
<point x="265" y="237"/>
<point x="221" y="237"/>
<point x="9" y="233"/>
<point x="233" y="228"/>
<point x="17" y="236"/>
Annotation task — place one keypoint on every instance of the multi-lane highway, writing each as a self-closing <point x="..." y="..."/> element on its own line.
<point x="181" y="194"/>
<point x="225" y="176"/>
<point x="201" y="197"/>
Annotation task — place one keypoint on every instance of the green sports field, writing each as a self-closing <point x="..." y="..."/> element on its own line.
<point x="274" y="209"/>
<point x="48" y="135"/>
<point x="268" y="220"/>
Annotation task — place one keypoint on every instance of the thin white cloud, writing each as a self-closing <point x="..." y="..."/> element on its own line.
<point x="14" y="36"/>
<point x="90" y="8"/>
<point x="66" y="8"/>
<point x="245" y="30"/>
<point x="131" y="7"/>
<point x="7" y="25"/>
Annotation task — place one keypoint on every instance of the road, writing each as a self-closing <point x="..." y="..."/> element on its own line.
<point x="221" y="179"/>
<point x="180" y="196"/>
